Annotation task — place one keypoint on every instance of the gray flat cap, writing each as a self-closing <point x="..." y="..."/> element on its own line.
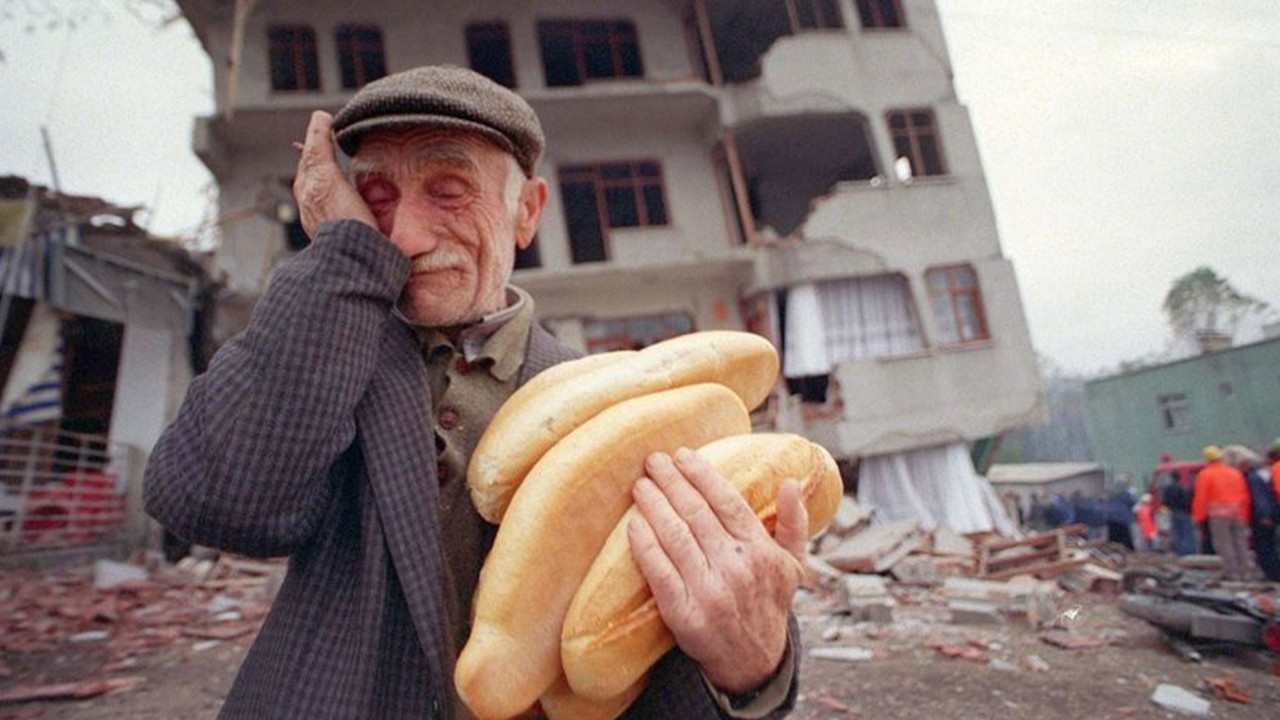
<point x="443" y="96"/>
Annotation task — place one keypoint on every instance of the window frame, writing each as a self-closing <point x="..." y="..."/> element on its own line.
<point x="875" y="9"/>
<point x="950" y="292"/>
<point x="490" y="30"/>
<point x="358" y="44"/>
<point x="1175" y="412"/>
<point x="594" y="174"/>
<point x="303" y="47"/>
<point x="580" y="40"/>
<point x="912" y="133"/>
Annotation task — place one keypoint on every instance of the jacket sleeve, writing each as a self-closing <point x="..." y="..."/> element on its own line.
<point x="244" y="466"/>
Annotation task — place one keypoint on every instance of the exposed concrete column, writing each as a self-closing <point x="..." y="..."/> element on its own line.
<point x="739" y="181"/>
<point x="708" y="43"/>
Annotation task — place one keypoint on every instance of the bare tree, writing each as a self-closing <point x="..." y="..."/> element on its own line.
<point x="51" y="15"/>
<point x="1202" y="306"/>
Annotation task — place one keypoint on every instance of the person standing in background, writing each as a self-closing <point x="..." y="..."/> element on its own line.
<point x="1222" y="500"/>
<point x="1265" y="512"/>
<point x="1177" y="497"/>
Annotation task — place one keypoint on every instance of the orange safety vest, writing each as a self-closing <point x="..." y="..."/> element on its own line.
<point x="1221" y="491"/>
<point x="1275" y="477"/>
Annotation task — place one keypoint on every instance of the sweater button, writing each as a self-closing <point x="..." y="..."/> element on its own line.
<point x="448" y="418"/>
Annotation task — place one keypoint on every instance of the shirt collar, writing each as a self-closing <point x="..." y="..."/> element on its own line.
<point x="501" y="336"/>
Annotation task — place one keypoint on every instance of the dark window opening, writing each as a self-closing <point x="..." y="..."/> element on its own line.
<point x="1175" y="412"/>
<point x="743" y="32"/>
<point x="574" y="51"/>
<point x="816" y="14"/>
<point x="489" y="51"/>
<point x="634" y="333"/>
<point x="915" y="137"/>
<point x="91" y="360"/>
<point x="610" y="195"/>
<point x="360" y="55"/>
<point x="880" y="14"/>
<point x="957" y="304"/>
<point x="294" y="65"/>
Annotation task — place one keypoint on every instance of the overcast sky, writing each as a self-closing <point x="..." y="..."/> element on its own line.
<point x="1126" y="142"/>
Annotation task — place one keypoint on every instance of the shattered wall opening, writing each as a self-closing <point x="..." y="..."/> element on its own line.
<point x="743" y="31"/>
<point x="787" y="163"/>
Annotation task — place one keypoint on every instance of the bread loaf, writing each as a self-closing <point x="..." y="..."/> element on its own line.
<point x="534" y="418"/>
<point x="556" y="523"/>
<point x="561" y="703"/>
<point x="613" y="632"/>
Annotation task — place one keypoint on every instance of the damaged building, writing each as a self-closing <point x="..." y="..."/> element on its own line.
<point x="798" y="168"/>
<point x="101" y="327"/>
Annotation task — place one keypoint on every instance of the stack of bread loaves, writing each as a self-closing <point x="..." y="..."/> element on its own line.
<point x="562" y="614"/>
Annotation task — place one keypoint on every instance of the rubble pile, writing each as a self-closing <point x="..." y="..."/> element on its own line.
<point x="123" y="611"/>
<point x="861" y="576"/>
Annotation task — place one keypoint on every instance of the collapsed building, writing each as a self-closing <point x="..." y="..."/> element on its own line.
<point x="797" y="168"/>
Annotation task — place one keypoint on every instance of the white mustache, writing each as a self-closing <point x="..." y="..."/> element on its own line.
<point x="438" y="259"/>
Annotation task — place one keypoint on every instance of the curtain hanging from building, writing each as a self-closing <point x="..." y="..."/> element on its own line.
<point x="33" y="393"/>
<point x="933" y="486"/>
<point x="845" y="320"/>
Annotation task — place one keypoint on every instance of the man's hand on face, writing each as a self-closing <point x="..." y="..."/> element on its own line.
<point x="723" y="585"/>
<point x="320" y="187"/>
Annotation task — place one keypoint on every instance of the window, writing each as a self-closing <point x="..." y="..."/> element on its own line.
<point x="957" y="304"/>
<point x="880" y="14"/>
<point x="293" y="58"/>
<point x="816" y="14"/>
<point x="633" y="333"/>
<point x="360" y="55"/>
<point x="574" y="52"/>
<point x="609" y="195"/>
<point x="915" y="137"/>
<point x="1176" y="412"/>
<point x="489" y="50"/>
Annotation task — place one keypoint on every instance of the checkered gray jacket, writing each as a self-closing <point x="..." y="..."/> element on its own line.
<point x="309" y="437"/>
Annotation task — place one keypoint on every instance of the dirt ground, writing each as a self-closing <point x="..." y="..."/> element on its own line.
<point x="183" y="675"/>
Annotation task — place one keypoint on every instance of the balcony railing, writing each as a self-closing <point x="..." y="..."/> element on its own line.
<point x="57" y="490"/>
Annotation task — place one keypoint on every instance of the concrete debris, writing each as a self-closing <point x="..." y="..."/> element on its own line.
<point x="1070" y="641"/>
<point x="108" y="574"/>
<point x="69" y="691"/>
<point x="1035" y="663"/>
<point x="844" y="654"/>
<point x="868" y="598"/>
<point x="128" y="611"/>
<point x="1177" y="699"/>
<point x="875" y="549"/>
<point x="1228" y="689"/>
<point x="948" y="542"/>
<point x="974" y="612"/>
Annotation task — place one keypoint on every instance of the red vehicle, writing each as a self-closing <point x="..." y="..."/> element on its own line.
<point x="1168" y="470"/>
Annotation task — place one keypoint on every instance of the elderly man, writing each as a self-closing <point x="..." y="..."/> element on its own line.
<point x="337" y="428"/>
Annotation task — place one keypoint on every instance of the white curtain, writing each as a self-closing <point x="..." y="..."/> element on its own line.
<point x="843" y="320"/>
<point x="806" y="346"/>
<point x="933" y="486"/>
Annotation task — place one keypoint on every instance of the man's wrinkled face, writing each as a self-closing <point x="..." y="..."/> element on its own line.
<point x="457" y="206"/>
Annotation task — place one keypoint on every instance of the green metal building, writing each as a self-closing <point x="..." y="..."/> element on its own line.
<point x="1226" y="397"/>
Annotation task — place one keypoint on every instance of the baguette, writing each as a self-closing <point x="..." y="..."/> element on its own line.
<point x="534" y="419"/>
<point x="561" y="703"/>
<point x="557" y="522"/>
<point x="613" y="631"/>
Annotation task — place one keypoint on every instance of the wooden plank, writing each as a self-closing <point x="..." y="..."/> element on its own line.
<point x="1044" y="571"/>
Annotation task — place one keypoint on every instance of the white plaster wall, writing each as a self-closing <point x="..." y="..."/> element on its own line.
<point x="152" y="379"/>
<point x="943" y="394"/>
<point x="421" y="33"/>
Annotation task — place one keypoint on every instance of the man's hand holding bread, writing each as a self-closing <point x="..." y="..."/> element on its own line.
<point x="723" y="585"/>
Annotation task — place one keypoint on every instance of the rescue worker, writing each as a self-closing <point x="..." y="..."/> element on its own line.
<point x="1222" y="500"/>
